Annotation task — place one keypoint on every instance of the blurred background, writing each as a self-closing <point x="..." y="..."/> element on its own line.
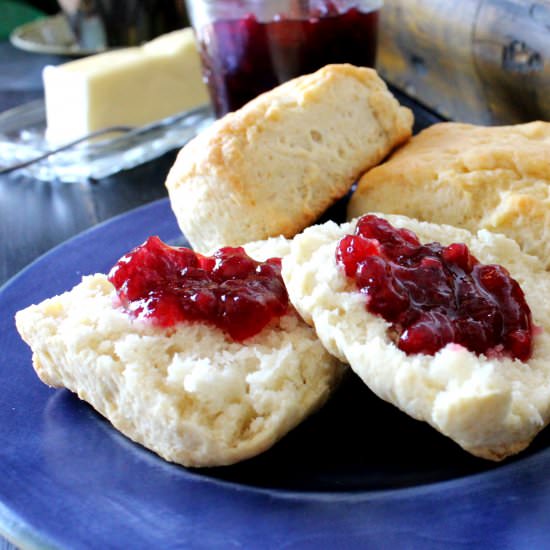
<point x="479" y="61"/>
<point x="17" y="12"/>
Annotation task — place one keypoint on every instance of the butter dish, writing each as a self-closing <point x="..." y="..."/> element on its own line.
<point x="150" y="93"/>
<point x="23" y="138"/>
<point x="127" y="86"/>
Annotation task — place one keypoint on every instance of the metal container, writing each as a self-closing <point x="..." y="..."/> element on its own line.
<point x="479" y="61"/>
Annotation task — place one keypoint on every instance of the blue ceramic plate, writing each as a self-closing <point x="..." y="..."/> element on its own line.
<point x="357" y="474"/>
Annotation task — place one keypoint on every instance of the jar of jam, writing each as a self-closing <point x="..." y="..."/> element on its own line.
<point x="250" y="46"/>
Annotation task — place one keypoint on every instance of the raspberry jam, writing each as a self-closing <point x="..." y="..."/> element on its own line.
<point x="244" y="57"/>
<point x="228" y="290"/>
<point x="434" y="295"/>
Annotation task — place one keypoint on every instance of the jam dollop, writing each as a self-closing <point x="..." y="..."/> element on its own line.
<point x="244" y="57"/>
<point x="434" y="295"/>
<point x="229" y="290"/>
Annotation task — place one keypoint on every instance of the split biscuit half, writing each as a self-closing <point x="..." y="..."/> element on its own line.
<point x="188" y="393"/>
<point x="492" y="407"/>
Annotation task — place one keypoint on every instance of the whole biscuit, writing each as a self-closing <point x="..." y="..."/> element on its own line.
<point x="188" y="393"/>
<point x="491" y="407"/>
<point x="495" y="178"/>
<point x="274" y="166"/>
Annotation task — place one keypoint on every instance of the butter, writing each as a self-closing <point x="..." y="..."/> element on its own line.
<point x="130" y="86"/>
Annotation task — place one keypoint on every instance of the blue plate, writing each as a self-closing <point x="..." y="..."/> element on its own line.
<point x="357" y="474"/>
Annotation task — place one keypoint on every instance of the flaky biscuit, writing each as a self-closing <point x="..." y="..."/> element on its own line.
<point x="495" y="178"/>
<point x="188" y="393"/>
<point x="274" y="166"/>
<point x="491" y="407"/>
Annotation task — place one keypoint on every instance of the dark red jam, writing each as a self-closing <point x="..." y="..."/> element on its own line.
<point x="245" y="57"/>
<point x="434" y="295"/>
<point x="229" y="290"/>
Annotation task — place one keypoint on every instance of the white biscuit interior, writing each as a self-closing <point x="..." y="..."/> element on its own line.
<point x="190" y="394"/>
<point x="491" y="407"/>
<point x="275" y="165"/>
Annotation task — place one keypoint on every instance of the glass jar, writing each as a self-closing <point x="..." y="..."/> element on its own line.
<point x="250" y="46"/>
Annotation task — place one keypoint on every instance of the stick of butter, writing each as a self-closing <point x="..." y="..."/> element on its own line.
<point x="130" y="86"/>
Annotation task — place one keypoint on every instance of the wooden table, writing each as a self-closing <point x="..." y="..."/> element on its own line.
<point x="35" y="216"/>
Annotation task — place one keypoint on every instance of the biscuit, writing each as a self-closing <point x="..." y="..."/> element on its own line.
<point x="491" y="407"/>
<point x="495" y="178"/>
<point x="274" y="166"/>
<point x="188" y="393"/>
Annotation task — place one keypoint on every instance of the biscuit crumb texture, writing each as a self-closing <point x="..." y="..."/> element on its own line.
<point x="274" y="166"/>
<point x="189" y="394"/>
<point x="492" y="408"/>
<point x="475" y="177"/>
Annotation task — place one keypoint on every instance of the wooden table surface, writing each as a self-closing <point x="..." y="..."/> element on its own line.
<point x="36" y="216"/>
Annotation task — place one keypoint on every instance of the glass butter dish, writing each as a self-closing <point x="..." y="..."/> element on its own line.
<point x="22" y="139"/>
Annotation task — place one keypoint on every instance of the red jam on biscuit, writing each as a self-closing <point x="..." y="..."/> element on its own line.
<point x="229" y="290"/>
<point x="434" y="295"/>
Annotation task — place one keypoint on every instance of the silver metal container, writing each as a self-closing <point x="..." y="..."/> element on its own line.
<point x="479" y="61"/>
